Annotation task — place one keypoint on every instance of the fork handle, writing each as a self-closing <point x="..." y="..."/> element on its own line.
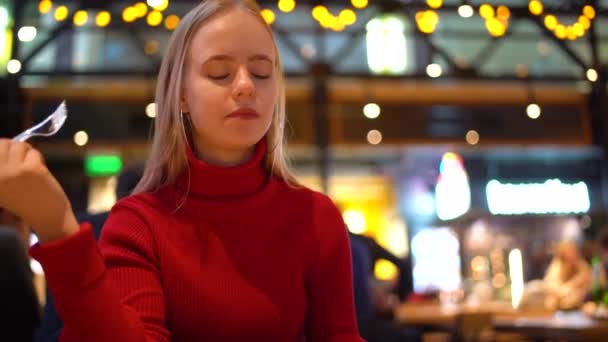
<point x="23" y="136"/>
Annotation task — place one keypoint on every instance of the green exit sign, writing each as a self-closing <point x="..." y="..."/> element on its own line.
<point x="102" y="165"/>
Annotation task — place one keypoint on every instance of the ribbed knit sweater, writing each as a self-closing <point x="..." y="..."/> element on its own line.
<point x="224" y="254"/>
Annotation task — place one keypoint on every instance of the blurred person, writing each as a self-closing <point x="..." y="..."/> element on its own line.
<point x="218" y="242"/>
<point x="372" y="303"/>
<point x="567" y="280"/>
<point x="19" y="308"/>
<point x="51" y="324"/>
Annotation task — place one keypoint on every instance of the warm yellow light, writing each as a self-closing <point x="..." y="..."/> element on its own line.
<point x="503" y="12"/>
<point x="268" y="16"/>
<point x="151" y="47"/>
<point x="141" y="9"/>
<point x="533" y="111"/>
<point x="371" y="110"/>
<point x="171" y="22"/>
<point x="578" y="29"/>
<point x="385" y="270"/>
<point x="329" y="21"/>
<point x="80" y="18"/>
<point x="81" y="138"/>
<point x="338" y="26"/>
<point x="45" y="6"/>
<point x="151" y="110"/>
<point x="535" y="7"/>
<point x="427" y="21"/>
<point x="589" y="11"/>
<point x="472" y="137"/>
<point x="359" y="3"/>
<point x="347" y="17"/>
<point x="319" y="12"/>
<point x="495" y="27"/>
<point x="61" y="13"/>
<point x="434" y="3"/>
<point x="374" y="137"/>
<point x="584" y="21"/>
<point x="570" y="33"/>
<point x="486" y="11"/>
<point x="161" y="5"/>
<point x="154" y="18"/>
<point x="103" y="19"/>
<point x="287" y="5"/>
<point x="129" y="14"/>
<point x="560" y="31"/>
<point x="550" y="22"/>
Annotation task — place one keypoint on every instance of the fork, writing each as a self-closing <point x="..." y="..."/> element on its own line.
<point x="48" y="127"/>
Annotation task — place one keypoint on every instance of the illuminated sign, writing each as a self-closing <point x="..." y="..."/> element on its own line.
<point x="550" y="197"/>
<point x="452" y="192"/>
<point x="102" y="165"/>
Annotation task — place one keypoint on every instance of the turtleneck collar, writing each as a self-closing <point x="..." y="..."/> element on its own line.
<point x="219" y="182"/>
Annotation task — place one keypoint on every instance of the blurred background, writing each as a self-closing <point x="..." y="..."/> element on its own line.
<point x="454" y="133"/>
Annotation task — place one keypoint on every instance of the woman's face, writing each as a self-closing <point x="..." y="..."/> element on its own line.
<point x="230" y="86"/>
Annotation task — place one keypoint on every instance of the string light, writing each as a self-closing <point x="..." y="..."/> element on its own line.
<point x="497" y="21"/>
<point x="560" y="30"/>
<point x="360" y="4"/>
<point x="286" y="6"/>
<point x="45" y="6"/>
<point x="268" y="16"/>
<point x="80" y="18"/>
<point x="61" y="13"/>
<point x="129" y="14"/>
<point x="154" y="18"/>
<point x="103" y="18"/>
<point x="171" y="22"/>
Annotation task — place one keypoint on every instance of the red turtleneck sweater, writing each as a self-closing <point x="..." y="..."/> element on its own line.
<point x="245" y="258"/>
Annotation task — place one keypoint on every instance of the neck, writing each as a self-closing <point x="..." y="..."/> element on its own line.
<point x="209" y="179"/>
<point x="223" y="157"/>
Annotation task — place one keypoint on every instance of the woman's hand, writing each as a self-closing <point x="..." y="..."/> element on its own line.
<point x="29" y="190"/>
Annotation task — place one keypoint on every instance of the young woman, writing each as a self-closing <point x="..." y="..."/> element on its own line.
<point x="218" y="243"/>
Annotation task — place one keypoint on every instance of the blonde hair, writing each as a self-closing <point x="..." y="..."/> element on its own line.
<point x="167" y="159"/>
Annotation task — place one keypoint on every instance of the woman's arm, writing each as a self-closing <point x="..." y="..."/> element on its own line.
<point x="116" y="299"/>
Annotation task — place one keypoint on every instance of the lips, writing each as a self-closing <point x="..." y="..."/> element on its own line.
<point x="244" y="113"/>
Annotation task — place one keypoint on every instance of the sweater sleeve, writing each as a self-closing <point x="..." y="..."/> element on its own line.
<point x="111" y="292"/>
<point x="329" y="281"/>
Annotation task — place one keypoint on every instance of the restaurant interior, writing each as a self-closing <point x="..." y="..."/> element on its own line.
<point x="464" y="141"/>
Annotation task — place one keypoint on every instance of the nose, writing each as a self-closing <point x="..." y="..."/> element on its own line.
<point x="244" y="85"/>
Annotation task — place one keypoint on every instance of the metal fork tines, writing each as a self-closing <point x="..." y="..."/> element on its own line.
<point x="48" y="127"/>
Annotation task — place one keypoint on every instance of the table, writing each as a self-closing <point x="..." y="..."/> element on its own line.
<point x="538" y="324"/>
<point x="562" y="326"/>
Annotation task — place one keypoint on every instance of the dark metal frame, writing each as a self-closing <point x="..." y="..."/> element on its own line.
<point x="321" y="68"/>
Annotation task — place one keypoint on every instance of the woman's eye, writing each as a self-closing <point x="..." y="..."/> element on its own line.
<point x="219" y="77"/>
<point x="261" y="76"/>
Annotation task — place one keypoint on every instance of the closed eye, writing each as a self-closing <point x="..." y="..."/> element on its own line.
<point x="260" y="76"/>
<point x="219" y="77"/>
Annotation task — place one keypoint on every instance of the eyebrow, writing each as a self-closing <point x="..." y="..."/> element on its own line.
<point x="257" y="57"/>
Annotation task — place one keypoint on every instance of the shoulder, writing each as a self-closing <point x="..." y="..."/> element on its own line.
<point x="318" y="202"/>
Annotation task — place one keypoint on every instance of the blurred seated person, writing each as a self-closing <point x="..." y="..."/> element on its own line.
<point x="51" y="326"/>
<point x="567" y="281"/>
<point x="19" y="308"/>
<point x="376" y="252"/>
<point x="374" y="306"/>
